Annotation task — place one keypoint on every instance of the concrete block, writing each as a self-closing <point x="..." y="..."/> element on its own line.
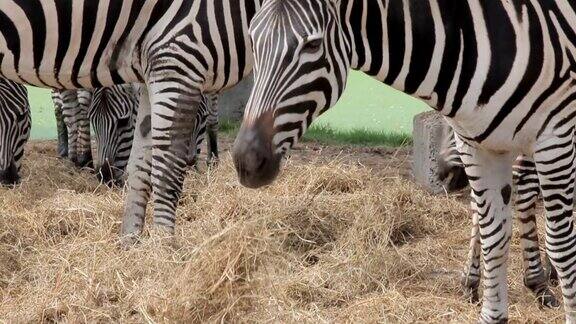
<point x="232" y="102"/>
<point x="427" y="134"/>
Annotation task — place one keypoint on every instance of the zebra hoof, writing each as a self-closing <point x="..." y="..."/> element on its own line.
<point x="129" y="241"/>
<point x="471" y="295"/>
<point x="63" y="152"/>
<point x="212" y="163"/>
<point x="548" y="300"/>
<point x="551" y="273"/>
<point x="84" y="161"/>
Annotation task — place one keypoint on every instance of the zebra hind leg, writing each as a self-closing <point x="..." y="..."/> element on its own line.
<point x="490" y="177"/>
<point x="554" y="159"/>
<point x="212" y="125"/>
<point x="528" y="189"/>
<point x="213" y="156"/>
<point x="471" y="275"/>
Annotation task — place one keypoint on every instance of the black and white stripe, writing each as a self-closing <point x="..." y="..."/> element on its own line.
<point x="14" y="130"/>
<point x="112" y="114"/>
<point x="536" y="278"/>
<point x="502" y="72"/>
<point x="179" y="49"/>
<point x="72" y="106"/>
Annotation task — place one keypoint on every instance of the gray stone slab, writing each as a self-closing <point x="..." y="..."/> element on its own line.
<point x="427" y="134"/>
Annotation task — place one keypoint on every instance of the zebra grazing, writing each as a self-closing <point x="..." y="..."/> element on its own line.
<point x="112" y="114"/>
<point x="180" y="49"/>
<point x="14" y="130"/>
<point x="525" y="179"/>
<point x="72" y="106"/>
<point x="502" y="72"/>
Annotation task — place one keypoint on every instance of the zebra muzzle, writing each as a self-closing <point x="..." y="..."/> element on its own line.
<point x="9" y="176"/>
<point x="256" y="162"/>
<point x="109" y="175"/>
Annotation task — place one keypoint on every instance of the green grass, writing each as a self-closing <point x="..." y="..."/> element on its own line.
<point x="328" y="135"/>
<point x="229" y="127"/>
<point x="362" y="137"/>
<point x="368" y="104"/>
<point x="43" y="120"/>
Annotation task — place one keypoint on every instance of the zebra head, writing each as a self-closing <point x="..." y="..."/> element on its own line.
<point x="301" y="66"/>
<point x="112" y="115"/>
<point x="14" y="130"/>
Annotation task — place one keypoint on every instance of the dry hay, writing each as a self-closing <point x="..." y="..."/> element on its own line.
<point x="329" y="242"/>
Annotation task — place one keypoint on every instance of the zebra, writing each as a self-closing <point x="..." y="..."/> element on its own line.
<point x="15" y="121"/>
<point x="72" y="106"/>
<point x="179" y="49"/>
<point x="501" y="72"/>
<point x="525" y="178"/>
<point x="112" y="114"/>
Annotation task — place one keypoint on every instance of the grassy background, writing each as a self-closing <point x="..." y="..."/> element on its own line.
<point x="369" y="113"/>
<point x="367" y="104"/>
<point x="43" y="121"/>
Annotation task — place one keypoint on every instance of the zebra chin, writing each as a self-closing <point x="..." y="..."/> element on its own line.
<point x="255" y="159"/>
<point x="9" y="177"/>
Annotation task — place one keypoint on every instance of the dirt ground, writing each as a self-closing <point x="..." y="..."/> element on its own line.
<point x="342" y="236"/>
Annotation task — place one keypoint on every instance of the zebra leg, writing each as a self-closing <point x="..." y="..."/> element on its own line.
<point x="83" y="120"/>
<point x="61" y="128"/>
<point x="528" y="189"/>
<point x="68" y="99"/>
<point x="554" y="159"/>
<point x="490" y="176"/>
<point x="551" y="272"/>
<point x="212" y="144"/>
<point x="212" y="131"/>
<point x="138" y="174"/>
<point x="173" y="119"/>
<point x="471" y="274"/>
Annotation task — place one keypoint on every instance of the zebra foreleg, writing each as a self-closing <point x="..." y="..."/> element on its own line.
<point x="528" y="189"/>
<point x="490" y="177"/>
<point x="138" y="170"/>
<point x="554" y="159"/>
<point x="173" y="124"/>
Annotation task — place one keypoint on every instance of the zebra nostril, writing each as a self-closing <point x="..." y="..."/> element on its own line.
<point x="262" y="165"/>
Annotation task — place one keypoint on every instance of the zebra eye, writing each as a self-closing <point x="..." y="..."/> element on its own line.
<point x="312" y="46"/>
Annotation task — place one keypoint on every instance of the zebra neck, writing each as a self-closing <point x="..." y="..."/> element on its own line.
<point x="403" y="43"/>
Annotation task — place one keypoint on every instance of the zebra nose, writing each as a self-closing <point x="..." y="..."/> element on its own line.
<point x="256" y="163"/>
<point x="84" y="160"/>
<point x="9" y="176"/>
<point x="109" y="175"/>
